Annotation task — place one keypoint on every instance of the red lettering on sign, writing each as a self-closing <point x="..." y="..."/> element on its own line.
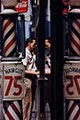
<point x="74" y="81"/>
<point x="16" y="85"/>
<point x="22" y="6"/>
<point x="12" y="82"/>
<point x="69" y="85"/>
<point x="10" y="79"/>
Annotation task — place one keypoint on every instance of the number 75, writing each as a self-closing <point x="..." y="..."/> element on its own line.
<point x="73" y="80"/>
<point x="12" y="80"/>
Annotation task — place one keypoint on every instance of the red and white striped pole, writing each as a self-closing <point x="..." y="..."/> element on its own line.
<point x="12" y="109"/>
<point x="9" y="38"/>
<point x="71" y="67"/>
<point x="75" y="37"/>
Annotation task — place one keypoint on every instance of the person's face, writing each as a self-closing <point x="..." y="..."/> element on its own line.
<point x="47" y="44"/>
<point x="33" y="44"/>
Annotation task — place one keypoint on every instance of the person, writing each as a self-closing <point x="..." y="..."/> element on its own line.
<point x="47" y="56"/>
<point x="31" y="73"/>
<point x="47" y="76"/>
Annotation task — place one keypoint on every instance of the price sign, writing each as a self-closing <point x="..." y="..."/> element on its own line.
<point x="13" y="81"/>
<point x="72" y="81"/>
<point x="22" y="6"/>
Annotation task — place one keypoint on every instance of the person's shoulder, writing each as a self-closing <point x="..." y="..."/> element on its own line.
<point x="28" y="52"/>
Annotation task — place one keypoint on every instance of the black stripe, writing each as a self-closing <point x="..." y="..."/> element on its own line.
<point x="13" y="52"/>
<point x="9" y="33"/>
<point x="73" y="53"/>
<point x="77" y="33"/>
<point x="6" y="104"/>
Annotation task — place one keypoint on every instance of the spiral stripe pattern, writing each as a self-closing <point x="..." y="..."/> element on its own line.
<point x="74" y="110"/>
<point x="9" y="38"/>
<point x="12" y="111"/>
<point x="75" y="37"/>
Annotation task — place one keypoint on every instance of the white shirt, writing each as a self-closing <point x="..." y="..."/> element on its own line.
<point x="47" y="62"/>
<point x="29" y="61"/>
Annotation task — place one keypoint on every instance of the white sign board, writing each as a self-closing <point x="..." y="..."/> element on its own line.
<point x="13" y="81"/>
<point x="72" y="80"/>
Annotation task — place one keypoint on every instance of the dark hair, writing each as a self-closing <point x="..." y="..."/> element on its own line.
<point x="48" y="38"/>
<point x="29" y="40"/>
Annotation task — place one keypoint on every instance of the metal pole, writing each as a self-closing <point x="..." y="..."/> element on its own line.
<point x="56" y="60"/>
<point x="41" y="48"/>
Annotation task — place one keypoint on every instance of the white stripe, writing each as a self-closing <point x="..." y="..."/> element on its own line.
<point x="77" y="41"/>
<point x="75" y="49"/>
<point x="10" y="49"/>
<point x="9" y="39"/>
<point x="70" y="104"/>
<point x="75" y="38"/>
<point x="74" y="112"/>
<point x="18" y="106"/>
<point x="76" y="27"/>
<point x="13" y="114"/>
<point x="4" y="22"/>
<point x="5" y="116"/>
<point x="8" y="28"/>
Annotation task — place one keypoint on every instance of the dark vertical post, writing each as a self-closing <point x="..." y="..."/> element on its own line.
<point x="56" y="60"/>
<point x="41" y="47"/>
<point x="0" y="28"/>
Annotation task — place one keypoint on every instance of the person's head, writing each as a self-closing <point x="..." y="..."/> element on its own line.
<point x="30" y="43"/>
<point x="47" y="43"/>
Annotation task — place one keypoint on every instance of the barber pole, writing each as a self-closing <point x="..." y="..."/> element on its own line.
<point x="13" y="70"/>
<point x="75" y="34"/>
<point x="12" y="90"/>
<point x="72" y="89"/>
<point x="74" y="110"/>
<point x="13" y="111"/>
<point x="71" y="72"/>
<point x="9" y="37"/>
